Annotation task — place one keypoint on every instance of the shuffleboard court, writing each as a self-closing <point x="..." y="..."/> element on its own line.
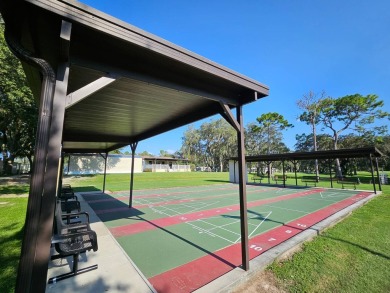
<point x="183" y="238"/>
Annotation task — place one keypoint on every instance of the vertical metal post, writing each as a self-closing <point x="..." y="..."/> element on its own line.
<point x="61" y="173"/>
<point x="234" y="171"/>
<point x="372" y="174"/>
<point x="51" y="181"/>
<point x="242" y="189"/>
<point x="133" y="147"/>
<point x="67" y="172"/>
<point x="284" y="175"/>
<point x="377" y="173"/>
<point x="330" y="172"/>
<point x="295" y="171"/>
<point x="43" y="244"/>
<point x="105" y="172"/>
<point x="31" y="227"/>
<point x="269" y="172"/>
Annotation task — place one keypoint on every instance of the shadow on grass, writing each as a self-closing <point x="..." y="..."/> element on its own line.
<point x="85" y="188"/>
<point x="358" y="246"/>
<point x="9" y="258"/>
<point x="14" y="189"/>
<point x="217" y="180"/>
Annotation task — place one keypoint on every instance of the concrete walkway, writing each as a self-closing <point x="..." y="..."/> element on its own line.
<point x="117" y="273"/>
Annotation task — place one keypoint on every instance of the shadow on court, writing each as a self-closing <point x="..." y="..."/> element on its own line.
<point x="101" y="201"/>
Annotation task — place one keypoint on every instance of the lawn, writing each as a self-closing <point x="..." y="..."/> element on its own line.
<point x="12" y="215"/>
<point x="147" y="180"/>
<point x="353" y="256"/>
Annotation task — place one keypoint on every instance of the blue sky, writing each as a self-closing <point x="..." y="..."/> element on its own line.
<point x="340" y="47"/>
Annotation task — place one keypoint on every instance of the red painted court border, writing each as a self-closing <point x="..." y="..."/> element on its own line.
<point x="195" y="274"/>
<point x="169" y="221"/>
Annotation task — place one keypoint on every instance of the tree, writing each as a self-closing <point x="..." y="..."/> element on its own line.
<point x="272" y="124"/>
<point x="18" y="110"/>
<point x="210" y="145"/>
<point x="310" y="104"/>
<point x="349" y="112"/>
<point x="145" y="154"/>
<point x="305" y="143"/>
<point x="164" y="153"/>
<point x="255" y="140"/>
<point x="191" y="145"/>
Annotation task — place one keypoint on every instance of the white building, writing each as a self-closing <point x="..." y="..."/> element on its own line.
<point x="77" y="164"/>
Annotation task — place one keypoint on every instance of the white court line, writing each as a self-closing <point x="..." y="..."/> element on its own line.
<point x="180" y="207"/>
<point x="323" y="199"/>
<point x="209" y="233"/>
<point x="218" y="227"/>
<point x="269" y="213"/>
<point x="287" y="209"/>
<point x="332" y="194"/>
<point x="214" y="227"/>
<point x="280" y="189"/>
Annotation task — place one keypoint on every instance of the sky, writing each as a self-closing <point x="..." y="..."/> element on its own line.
<point x="292" y="46"/>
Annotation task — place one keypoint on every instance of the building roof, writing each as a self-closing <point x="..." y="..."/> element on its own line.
<point x="164" y="158"/>
<point x="125" y="85"/>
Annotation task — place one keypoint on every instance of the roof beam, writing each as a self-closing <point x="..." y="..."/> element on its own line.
<point x="96" y="138"/>
<point x="228" y="115"/>
<point x="162" y="81"/>
<point x="89" y="89"/>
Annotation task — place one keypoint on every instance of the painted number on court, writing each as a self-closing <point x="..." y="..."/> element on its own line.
<point x="255" y="247"/>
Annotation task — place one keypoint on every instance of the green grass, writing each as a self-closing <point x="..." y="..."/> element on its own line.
<point x="353" y="256"/>
<point x="120" y="182"/>
<point x="14" y="189"/>
<point x="12" y="215"/>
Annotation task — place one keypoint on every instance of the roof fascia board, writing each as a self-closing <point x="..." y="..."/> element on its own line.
<point x="102" y="22"/>
<point x="89" y="89"/>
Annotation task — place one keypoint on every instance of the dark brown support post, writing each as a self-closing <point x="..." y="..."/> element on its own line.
<point x="28" y="262"/>
<point x="61" y="173"/>
<point x="330" y="172"/>
<point x="67" y="172"/>
<point x="269" y="172"/>
<point x="242" y="188"/>
<point x="105" y="171"/>
<point x="377" y="174"/>
<point x="372" y="174"/>
<point x="295" y="171"/>
<point x="284" y="174"/>
<point x="46" y="218"/>
<point x="133" y="147"/>
<point x="238" y="124"/>
<point x="234" y="171"/>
